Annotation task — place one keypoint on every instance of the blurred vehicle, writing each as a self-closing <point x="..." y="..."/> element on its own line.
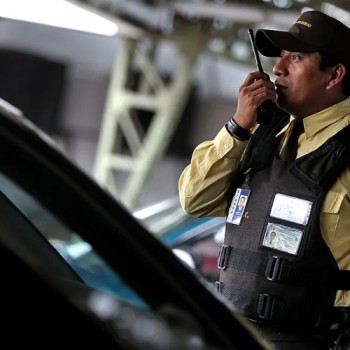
<point x="200" y="238"/>
<point x="54" y="221"/>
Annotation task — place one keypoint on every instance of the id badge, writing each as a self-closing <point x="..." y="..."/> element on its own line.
<point x="283" y="238"/>
<point x="237" y="207"/>
<point x="292" y="209"/>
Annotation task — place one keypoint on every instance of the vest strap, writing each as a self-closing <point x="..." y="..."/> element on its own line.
<point x="256" y="306"/>
<point x="278" y="269"/>
<point x="278" y="313"/>
<point x="274" y="268"/>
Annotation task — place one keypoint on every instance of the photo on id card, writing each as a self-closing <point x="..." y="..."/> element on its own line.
<point x="283" y="238"/>
<point x="237" y="207"/>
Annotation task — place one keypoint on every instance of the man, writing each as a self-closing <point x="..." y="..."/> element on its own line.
<point x="296" y="294"/>
<point x="270" y="239"/>
<point x="241" y="203"/>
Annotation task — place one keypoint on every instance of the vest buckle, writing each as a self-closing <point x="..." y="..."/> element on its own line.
<point x="223" y="256"/>
<point x="219" y="286"/>
<point x="268" y="307"/>
<point x="274" y="268"/>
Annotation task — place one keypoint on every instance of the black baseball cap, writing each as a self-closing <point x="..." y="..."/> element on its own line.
<point x="313" y="31"/>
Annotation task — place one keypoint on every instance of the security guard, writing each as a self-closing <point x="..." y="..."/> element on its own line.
<point x="284" y="264"/>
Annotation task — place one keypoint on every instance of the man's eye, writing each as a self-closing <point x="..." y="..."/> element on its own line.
<point x="295" y="57"/>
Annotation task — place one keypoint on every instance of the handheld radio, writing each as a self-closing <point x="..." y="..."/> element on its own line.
<point x="267" y="108"/>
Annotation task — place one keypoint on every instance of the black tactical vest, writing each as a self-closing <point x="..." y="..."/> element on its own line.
<point x="275" y="266"/>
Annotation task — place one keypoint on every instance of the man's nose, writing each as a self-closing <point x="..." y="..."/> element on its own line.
<point x="277" y="68"/>
<point x="280" y="66"/>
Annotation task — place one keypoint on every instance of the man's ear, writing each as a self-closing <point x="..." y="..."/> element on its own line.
<point x="338" y="73"/>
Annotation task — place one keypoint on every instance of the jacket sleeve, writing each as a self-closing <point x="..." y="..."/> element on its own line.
<point x="204" y="184"/>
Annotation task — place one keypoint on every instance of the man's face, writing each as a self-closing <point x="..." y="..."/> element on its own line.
<point x="300" y="84"/>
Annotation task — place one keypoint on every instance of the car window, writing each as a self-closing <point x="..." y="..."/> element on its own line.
<point x="79" y="254"/>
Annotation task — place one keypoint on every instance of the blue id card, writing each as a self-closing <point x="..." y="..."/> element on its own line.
<point x="237" y="207"/>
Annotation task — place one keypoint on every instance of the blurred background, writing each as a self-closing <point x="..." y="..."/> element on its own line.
<point x="129" y="88"/>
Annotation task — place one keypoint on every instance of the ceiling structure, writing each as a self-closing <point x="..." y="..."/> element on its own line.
<point x="160" y="15"/>
<point x="195" y="27"/>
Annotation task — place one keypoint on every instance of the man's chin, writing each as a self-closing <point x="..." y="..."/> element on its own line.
<point x="282" y="103"/>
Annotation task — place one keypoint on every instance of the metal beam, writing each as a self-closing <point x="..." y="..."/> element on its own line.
<point x="124" y="147"/>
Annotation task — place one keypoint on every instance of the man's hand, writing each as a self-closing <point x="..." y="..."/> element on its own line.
<point x="256" y="89"/>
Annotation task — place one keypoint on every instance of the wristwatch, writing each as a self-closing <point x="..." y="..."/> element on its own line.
<point x="237" y="131"/>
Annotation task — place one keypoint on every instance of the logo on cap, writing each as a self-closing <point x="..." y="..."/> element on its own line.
<point x="306" y="24"/>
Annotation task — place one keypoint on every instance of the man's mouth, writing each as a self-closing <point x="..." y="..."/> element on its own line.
<point x="279" y="86"/>
<point x="279" y="89"/>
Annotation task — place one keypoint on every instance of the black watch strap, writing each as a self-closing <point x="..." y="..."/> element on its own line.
<point x="237" y="131"/>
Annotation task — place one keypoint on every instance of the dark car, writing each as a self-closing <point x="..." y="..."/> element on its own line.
<point x="47" y="201"/>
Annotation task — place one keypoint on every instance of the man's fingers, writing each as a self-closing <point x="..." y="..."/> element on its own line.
<point x="254" y="76"/>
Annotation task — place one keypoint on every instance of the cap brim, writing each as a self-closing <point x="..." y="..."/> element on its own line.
<point x="271" y="42"/>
